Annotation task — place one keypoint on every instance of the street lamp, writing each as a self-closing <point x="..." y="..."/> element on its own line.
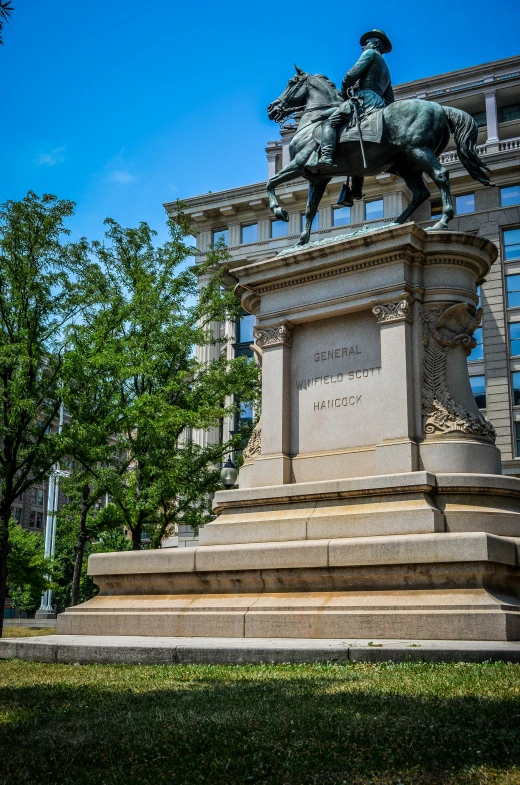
<point x="228" y="474"/>
<point x="45" y="610"/>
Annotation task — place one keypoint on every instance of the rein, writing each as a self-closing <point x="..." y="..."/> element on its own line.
<point x="304" y="108"/>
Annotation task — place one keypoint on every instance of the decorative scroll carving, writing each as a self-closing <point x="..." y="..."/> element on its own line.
<point x="254" y="444"/>
<point x="445" y="328"/>
<point x="273" y="336"/>
<point x="393" y="312"/>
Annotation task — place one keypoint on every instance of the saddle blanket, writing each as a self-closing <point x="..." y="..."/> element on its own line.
<point x="371" y="129"/>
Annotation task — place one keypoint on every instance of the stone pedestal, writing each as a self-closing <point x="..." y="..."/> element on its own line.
<point x="370" y="502"/>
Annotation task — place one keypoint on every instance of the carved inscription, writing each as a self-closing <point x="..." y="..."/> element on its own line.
<point x="335" y="383"/>
<point x="336" y="403"/>
<point x="336" y="354"/>
<point x="335" y="378"/>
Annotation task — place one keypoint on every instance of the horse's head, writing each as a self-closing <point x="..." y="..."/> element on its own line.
<point x="304" y="90"/>
<point x="293" y="97"/>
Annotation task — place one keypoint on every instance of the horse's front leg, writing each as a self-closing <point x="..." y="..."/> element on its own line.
<point x="316" y="191"/>
<point x="290" y="172"/>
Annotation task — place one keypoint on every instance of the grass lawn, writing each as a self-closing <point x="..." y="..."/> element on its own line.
<point x="19" y="631"/>
<point x="289" y="724"/>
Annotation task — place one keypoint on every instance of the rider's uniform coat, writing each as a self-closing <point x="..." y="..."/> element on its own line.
<point x="375" y="84"/>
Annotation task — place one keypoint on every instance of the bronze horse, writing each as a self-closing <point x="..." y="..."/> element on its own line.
<point x="415" y="133"/>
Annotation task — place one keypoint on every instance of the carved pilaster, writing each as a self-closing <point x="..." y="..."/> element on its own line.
<point x="393" y="312"/>
<point x="254" y="445"/>
<point x="444" y="329"/>
<point x="281" y="335"/>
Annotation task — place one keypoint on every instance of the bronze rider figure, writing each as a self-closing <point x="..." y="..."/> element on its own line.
<point x="374" y="92"/>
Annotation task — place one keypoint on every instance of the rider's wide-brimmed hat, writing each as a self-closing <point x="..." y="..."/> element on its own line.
<point x="377" y="34"/>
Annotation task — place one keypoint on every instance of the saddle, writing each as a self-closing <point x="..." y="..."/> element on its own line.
<point x="371" y="129"/>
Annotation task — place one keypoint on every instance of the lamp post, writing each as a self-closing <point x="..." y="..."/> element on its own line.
<point x="228" y="474"/>
<point x="45" y="610"/>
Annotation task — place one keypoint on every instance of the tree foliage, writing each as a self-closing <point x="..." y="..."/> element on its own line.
<point x="142" y="334"/>
<point x="6" y="9"/>
<point x="27" y="567"/>
<point x="45" y="282"/>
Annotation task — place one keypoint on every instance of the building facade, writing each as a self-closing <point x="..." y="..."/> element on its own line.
<point x="491" y="94"/>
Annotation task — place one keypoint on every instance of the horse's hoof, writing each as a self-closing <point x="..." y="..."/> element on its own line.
<point x="281" y="214"/>
<point x="439" y="226"/>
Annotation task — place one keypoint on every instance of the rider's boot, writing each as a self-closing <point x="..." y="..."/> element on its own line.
<point x="328" y="145"/>
<point x="345" y="197"/>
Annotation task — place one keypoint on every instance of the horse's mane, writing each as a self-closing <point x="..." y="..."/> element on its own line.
<point x="329" y="82"/>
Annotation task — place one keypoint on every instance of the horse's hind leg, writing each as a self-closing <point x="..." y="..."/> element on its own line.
<point x="417" y="186"/>
<point x="430" y="164"/>
<point x="316" y="191"/>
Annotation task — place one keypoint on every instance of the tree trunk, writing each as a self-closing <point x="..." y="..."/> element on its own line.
<point x="136" y="538"/>
<point x="5" y="514"/>
<point x="80" y="546"/>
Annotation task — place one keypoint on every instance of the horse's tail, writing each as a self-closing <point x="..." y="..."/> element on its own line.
<point x="465" y="131"/>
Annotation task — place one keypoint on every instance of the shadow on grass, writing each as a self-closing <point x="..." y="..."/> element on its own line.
<point x="339" y="728"/>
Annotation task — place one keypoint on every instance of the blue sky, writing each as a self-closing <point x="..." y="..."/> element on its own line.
<point x="123" y="105"/>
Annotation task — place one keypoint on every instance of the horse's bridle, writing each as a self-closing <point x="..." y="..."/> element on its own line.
<point x="284" y="112"/>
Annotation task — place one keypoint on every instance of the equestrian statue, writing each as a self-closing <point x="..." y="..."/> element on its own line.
<point x="363" y="131"/>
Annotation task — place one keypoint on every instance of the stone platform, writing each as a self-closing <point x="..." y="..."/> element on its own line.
<point x="144" y="650"/>
<point x="370" y="502"/>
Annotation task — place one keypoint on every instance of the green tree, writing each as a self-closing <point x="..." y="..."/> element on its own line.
<point x="6" y="9"/>
<point x="91" y="398"/>
<point x="151" y="317"/>
<point x="106" y="541"/>
<point x="45" y="283"/>
<point x="27" y="567"/>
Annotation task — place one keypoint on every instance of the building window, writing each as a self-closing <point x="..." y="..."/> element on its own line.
<point x="511" y="244"/>
<point x="374" y="210"/>
<point x="513" y="291"/>
<point x="279" y="229"/>
<point x="315" y="225"/>
<point x="37" y="496"/>
<point x="517" y="439"/>
<point x="514" y="339"/>
<point x="507" y="113"/>
<point x="36" y="519"/>
<point x="220" y="234"/>
<point x="510" y="195"/>
<point x="16" y="512"/>
<point x="478" y="352"/>
<point x="515" y="383"/>
<point x="465" y="204"/>
<point x="21" y="497"/>
<point x="245" y="328"/>
<point x="341" y="216"/>
<point x="478" y="388"/>
<point x="245" y="416"/>
<point x="249" y="233"/>
<point x="435" y="209"/>
<point x="479" y="118"/>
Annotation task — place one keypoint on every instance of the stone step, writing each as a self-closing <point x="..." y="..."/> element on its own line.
<point x="145" y="650"/>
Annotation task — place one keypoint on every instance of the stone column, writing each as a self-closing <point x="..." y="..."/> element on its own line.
<point x="357" y="212"/>
<point x="397" y="451"/>
<point x="273" y="465"/>
<point x="295" y="225"/>
<point x="206" y="355"/>
<point x="325" y="217"/>
<point x="491" y="119"/>
<point x="394" y="204"/>
<point x="264" y="229"/>
<point x="234" y="235"/>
